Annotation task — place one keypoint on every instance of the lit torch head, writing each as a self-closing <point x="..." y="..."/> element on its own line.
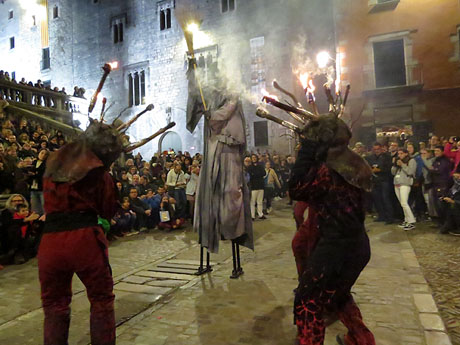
<point x="113" y="64"/>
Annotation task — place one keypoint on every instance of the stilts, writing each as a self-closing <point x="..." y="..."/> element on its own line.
<point x="202" y="270"/>
<point x="237" y="269"/>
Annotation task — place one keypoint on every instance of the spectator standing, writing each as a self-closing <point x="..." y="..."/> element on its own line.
<point x="271" y="182"/>
<point x="380" y="163"/>
<point x="428" y="159"/>
<point x="36" y="185"/>
<point x="451" y="204"/>
<point x="440" y="173"/>
<point x="190" y="190"/>
<point x="176" y="184"/>
<point x="404" y="173"/>
<point x="256" y="185"/>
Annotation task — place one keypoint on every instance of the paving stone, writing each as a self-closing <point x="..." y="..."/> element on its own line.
<point x="425" y="303"/>
<point x="194" y="263"/>
<point x="167" y="283"/>
<point x="420" y="288"/>
<point x="165" y="275"/>
<point x="173" y="270"/>
<point x="432" y="322"/>
<point x="437" y="338"/>
<point x="136" y="279"/>
<point x="136" y="288"/>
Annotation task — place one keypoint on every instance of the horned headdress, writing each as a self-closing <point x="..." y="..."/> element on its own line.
<point x="98" y="146"/>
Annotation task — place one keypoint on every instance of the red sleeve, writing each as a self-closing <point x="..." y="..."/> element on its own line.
<point x="448" y="151"/>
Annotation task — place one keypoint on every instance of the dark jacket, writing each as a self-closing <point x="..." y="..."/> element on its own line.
<point x="256" y="176"/>
<point x="383" y="162"/>
<point x="441" y="172"/>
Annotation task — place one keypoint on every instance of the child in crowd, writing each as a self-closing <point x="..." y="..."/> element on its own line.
<point x="168" y="219"/>
<point x="123" y="221"/>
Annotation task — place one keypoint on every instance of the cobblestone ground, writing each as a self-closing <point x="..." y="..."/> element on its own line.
<point x="160" y="301"/>
<point x="439" y="257"/>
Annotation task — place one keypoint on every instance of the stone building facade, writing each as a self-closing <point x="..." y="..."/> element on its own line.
<point x="253" y="42"/>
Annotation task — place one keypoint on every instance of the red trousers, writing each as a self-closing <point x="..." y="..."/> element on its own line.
<point x="84" y="252"/>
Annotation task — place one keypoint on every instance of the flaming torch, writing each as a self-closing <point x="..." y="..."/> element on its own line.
<point x="309" y="88"/>
<point x="273" y="100"/>
<point x="107" y="69"/>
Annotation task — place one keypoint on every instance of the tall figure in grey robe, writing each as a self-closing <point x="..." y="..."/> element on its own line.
<point x="222" y="209"/>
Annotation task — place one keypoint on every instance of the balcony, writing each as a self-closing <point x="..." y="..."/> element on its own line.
<point x="414" y="82"/>
<point x="54" y="108"/>
<point x="376" y="6"/>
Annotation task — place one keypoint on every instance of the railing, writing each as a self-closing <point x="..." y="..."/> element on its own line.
<point x="53" y="109"/>
<point x="47" y="99"/>
<point x="414" y="77"/>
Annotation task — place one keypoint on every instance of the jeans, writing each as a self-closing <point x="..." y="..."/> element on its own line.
<point x="381" y="198"/>
<point x="37" y="201"/>
<point x="181" y="202"/>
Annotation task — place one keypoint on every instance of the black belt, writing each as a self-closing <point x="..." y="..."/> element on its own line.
<point x="67" y="221"/>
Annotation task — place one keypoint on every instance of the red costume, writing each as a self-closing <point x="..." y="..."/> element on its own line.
<point x="331" y="247"/>
<point x="74" y="243"/>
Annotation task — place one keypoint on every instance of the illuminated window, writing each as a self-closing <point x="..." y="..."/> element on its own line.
<point x="228" y="5"/>
<point x="136" y="88"/>
<point x="55" y="12"/>
<point x="11" y="42"/>
<point x="10" y="14"/>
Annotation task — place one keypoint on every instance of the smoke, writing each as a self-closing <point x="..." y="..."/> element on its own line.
<point x="304" y="61"/>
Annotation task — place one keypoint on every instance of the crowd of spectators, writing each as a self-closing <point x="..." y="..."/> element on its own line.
<point x="159" y="192"/>
<point x="18" y="95"/>
<point x="415" y="182"/>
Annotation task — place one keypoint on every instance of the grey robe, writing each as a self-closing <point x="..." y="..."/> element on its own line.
<point x="222" y="202"/>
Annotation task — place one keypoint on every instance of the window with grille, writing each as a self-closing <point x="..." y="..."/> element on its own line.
<point x="11" y="42"/>
<point x="55" y="12"/>
<point x="10" y="14"/>
<point x="136" y="88"/>
<point x="389" y="63"/>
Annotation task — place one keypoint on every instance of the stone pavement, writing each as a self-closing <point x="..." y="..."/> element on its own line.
<point x="159" y="301"/>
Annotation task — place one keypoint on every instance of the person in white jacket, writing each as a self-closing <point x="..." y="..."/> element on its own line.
<point x="404" y="172"/>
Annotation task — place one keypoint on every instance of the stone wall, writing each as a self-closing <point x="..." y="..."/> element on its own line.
<point x="81" y="41"/>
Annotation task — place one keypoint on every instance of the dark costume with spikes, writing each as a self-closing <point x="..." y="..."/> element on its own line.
<point x="222" y="201"/>
<point x="77" y="189"/>
<point x="331" y="246"/>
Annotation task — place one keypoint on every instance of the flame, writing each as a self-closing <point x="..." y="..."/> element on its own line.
<point x="266" y="94"/>
<point x="304" y="79"/>
<point x="113" y="64"/>
<point x="311" y="86"/>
